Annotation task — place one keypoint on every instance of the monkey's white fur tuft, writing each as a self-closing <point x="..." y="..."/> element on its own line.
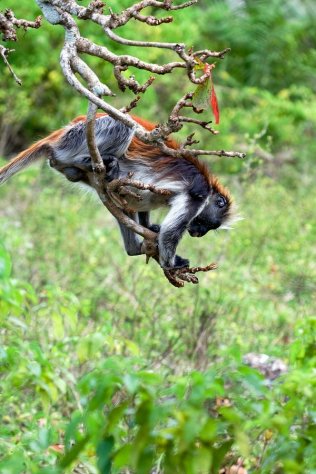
<point x="232" y="218"/>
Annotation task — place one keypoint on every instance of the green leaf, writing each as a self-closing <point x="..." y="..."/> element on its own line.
<point x="145" y="461"/>
<point x="123" y="456"/>
<point x="104" y="452"/>
<point x="219" y="454"/>
<point x="243" y="442"/>
<point x="131" y="382"/>
<point x="115" y="416"/>
<point x="201" y="95"/>
<point x="202" y="460"/>
<point x="58" y="325"/>
<point x="72" y="454"/>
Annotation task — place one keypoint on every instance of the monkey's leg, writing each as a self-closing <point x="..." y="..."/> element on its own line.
<point x="132" y="242"/>
<point x="112" y="167"/>
<point x="110" y="162"/>
<point x="72" y="173"/>
<point x="144" y="220"/>
<point x="80" y="167"/>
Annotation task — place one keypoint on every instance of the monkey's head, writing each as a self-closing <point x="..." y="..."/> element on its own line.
<point x="217" y="212"/>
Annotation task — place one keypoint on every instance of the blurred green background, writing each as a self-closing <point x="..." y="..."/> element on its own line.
<point x="72" y="297"/>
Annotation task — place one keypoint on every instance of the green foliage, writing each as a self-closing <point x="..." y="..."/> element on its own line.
<point x="127" y="417"/>
<point x="102" y="359"/>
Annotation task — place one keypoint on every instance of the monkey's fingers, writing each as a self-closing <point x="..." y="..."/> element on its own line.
<point x="178" y="276"/>
<point x="120" y="202"/>
<point x="127" y="192"/>
<point x="188" y="277"/>
<point x="171" y="277"/>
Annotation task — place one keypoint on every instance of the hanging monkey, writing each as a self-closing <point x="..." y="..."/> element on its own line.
<point x="198" y="203"/>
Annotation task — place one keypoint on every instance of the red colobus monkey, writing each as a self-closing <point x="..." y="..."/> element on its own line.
<point x="198" y="203"/>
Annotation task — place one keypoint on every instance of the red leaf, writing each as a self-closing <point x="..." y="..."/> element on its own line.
<point x="214" y="104"/>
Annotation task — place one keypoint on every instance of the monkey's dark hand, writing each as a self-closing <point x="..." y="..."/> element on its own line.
<point x="112" y="167"/>
<point x="73" y="174"/>
<point x="154" y="228"/>
<point x="180" y="262"/>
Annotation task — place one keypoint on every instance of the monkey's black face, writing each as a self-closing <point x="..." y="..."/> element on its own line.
<point x="211" y="217"/>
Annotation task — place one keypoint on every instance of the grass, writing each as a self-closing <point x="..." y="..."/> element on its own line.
<point x="74" y="299"/>
<point x="67" y="244"/>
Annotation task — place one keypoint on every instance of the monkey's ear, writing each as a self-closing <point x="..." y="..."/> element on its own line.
<point x="199" y="188"/>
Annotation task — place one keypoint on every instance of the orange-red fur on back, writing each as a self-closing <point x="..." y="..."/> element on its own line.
<point x="138" y="148"/>
<point x="147" y="151"/>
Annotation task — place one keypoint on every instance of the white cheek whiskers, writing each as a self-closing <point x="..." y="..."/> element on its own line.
<point x="232" y="218"/>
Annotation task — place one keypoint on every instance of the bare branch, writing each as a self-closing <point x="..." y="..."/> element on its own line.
<point x="181" y="152"/>
<point x="190" y="141"/>
<point x="152" y="20"/>
<point x="99" y="181"/>
<point x="97" y="162"/>
<point x="204" y="54"/>
<point x="228" y="154"/>
<point x="4" y="53"/>
<point x="130" y="82"/>
<point x="131" y="106"/>
<point x="86" y="46"/>
<point x="177" y="47"/>
<point x="95" y="6"/>
<point x="117" y="185"/>
<point x="8" y="25"/>
<point x="124" y="17"/>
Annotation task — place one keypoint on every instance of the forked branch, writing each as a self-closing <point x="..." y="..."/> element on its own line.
<point x="8" y="26"/>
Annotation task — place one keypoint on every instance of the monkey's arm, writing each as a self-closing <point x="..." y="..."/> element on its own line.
<point x="80" y="171"/>
<point x="144" y="219"/>
<point x="71" y="155"/>
<point x="183" y="210"/>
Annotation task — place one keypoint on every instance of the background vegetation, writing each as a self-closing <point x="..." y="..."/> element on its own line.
<point x="102" y="359"/>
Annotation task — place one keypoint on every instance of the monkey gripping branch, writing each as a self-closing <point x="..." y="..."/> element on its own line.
<point x="85" y="81"/>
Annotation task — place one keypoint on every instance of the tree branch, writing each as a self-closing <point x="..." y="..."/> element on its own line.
<point x="9" y="24"/>
<point x="88" y="84"/>
<point x="4" y="52"/>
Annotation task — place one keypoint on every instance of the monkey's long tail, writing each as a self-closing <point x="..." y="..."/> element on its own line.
<point x="35" y="152"/>
<point x="24" y="159"/>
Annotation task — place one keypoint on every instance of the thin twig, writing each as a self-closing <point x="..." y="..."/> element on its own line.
<point x="4" y="53"/>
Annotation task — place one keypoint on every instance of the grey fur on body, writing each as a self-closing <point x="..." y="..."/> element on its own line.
<point x="113" y="138"/>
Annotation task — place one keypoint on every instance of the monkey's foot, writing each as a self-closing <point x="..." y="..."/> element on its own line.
<point x="178" y="276"/>
<point x="112" y="167"/>
<point x="73" y="174"/>
<point x="181" y="262"/>
<point x="155" y="228"/>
